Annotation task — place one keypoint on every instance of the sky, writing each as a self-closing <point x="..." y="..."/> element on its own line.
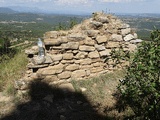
<point x="89" y="6"/>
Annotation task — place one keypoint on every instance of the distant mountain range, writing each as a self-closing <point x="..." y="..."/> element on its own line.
<point x="21" y="9"/>
<point x="6" y="10"/>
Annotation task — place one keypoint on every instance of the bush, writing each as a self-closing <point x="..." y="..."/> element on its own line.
<point x="140" y="89"/>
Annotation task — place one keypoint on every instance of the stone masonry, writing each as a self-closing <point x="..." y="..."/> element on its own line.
<point x="80" y="52"/>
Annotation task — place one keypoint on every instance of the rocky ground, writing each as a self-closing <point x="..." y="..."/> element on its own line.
<point x="93" y="101"/>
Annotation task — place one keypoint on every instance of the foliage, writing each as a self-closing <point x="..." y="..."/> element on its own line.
<point x="140" y="88"/>
<point x="118" y="56"/>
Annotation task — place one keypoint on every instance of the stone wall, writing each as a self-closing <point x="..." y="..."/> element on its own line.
<point x="80" y="52"/>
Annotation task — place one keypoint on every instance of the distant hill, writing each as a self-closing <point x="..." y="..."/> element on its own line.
<point x="6" y="10"/>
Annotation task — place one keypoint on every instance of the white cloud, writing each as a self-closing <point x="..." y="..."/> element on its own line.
<point x="72" y="2"/>
<point x="121" y="1"/>
<point x="23" y="1"/>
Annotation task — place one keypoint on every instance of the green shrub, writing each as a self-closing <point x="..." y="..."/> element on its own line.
<point x="140" y="89"/>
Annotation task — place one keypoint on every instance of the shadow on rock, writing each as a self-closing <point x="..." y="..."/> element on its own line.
<point x="53" y="103"/>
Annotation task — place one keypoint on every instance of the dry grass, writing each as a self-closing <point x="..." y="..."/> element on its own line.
<point x="99" y="92"/>
<point x="11" y="70"/>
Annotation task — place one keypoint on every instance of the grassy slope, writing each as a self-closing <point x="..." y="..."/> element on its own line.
<point x="11" y="70"/>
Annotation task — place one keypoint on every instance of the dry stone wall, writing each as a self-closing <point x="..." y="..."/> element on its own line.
<point x="79" y="53"/>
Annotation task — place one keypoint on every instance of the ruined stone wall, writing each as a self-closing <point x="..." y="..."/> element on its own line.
<point x="80" y="52"/>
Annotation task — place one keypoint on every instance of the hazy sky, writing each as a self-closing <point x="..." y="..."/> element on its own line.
<point x="113" y="6"/>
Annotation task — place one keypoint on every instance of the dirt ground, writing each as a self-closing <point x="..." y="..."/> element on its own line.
<point x="91" y="100"/>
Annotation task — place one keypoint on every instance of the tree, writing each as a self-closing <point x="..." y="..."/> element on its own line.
<point x="140" y="89"/>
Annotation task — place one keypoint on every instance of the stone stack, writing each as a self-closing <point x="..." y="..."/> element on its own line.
<point x="80" y="52"/>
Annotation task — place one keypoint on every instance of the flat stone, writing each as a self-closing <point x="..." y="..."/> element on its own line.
<point x="96" y="24"/>
<point x="128" y="37"/>
<point x="123" y="26"/>
<point x="94" y="54"/>
<point x="76" y="36"/>
<point x="51" y="34"/>
<point x="68" y="56"/>
<point x="86" y="61"/>
<point x="101" y="39"/>
<point x="99" y="47"/>
<point x="81" y="55"/>
<point x="96" y="69"/>
<point x="32" y="51"/>
<point x="57" y="57"/>
<point x="71" y="45"/>
<point x="53" y="41"/>
<point x="92" y="33"/>
<point x="89" y="41"/>
<point x="111" y="44"/>
<point x="86" y="48"/>
<point x="72" y="67"/>
<point x="78" y="74"/>
<point x="31" y="65"/>
<point x="105" y="52"/>
<point x="125" y="31"/>
<point x="136" y="41"/>
<point x="98" y="64"/>
<point x="51" y="70"/>
<point x="64" y="75"/>
<point x="48" y="60"/>
<point x="116" y="37"/>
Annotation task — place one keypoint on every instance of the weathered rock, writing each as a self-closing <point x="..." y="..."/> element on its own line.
<point x="71" y="45"/>
<point x="103" y="19"/>
<point x="92" y="33"/>
<point x="33" y="50"/>
<point x="52" y="34"/>
<point x="64" y="75"/>
<point x="101" y="39"/>
<point x="99" y="47"/>
<point x="67" y="61"/>
<point x="51" y="70"/>
<point x="72" y="67"/>
<point x="111" y="44"/>
<point x="96" y="24"/>
<point x="86" y="48"/>
<point x="81" y="55"/>
<point x="136" y="41"/>
<point x="78" y="74"/>
<point x="57" y="57"/>
<point x="128" y="37"/>
<point x="68" y="56"/>
<point x="125" y="31"/>
<point x="76" y="36"/>
<point x="105" y="52"/>
<point x="96" y="69"/>
<point x="94" y="54"/>
<point x="98" y="64"/>
<point x="86" y="61"/>
<point x="48" y="60"/>
<point x="53" y="41"/>
<point x="32" y="66"/>
<point x="89" y="41"/>
<point x="124" y="25"/>
<point x="116" y="37"/>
